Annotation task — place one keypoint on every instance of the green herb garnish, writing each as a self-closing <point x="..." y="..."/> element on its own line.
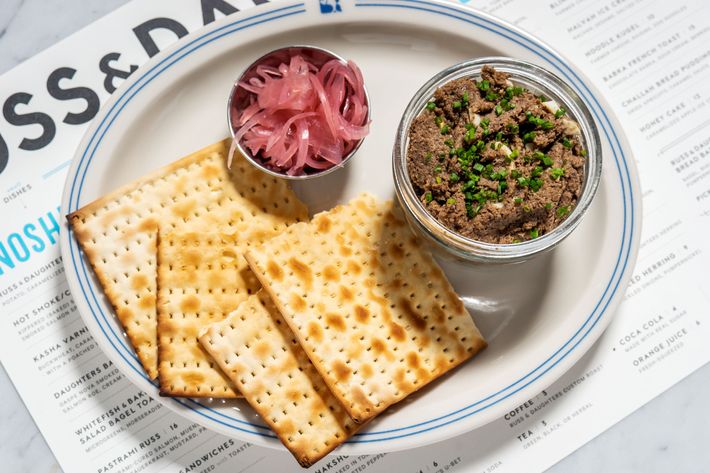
<point x="444" y="129"/>
<point x="560" y="112"/>
<point x="492" y="96"/>
<point x="453" y="177"/>
<point x="428" y="197"/>
<point x="450" y="201"/>
<point x="456" y="105"/>
<point x="518" y="200"/>
<point x="557" y="173"/>
<point x="534" y="233"/>
<point x="566" y="143"/>
<point x="484" y="85"/>
<point x="529" y="136"/>
<point x="535" y="184"/>
<point x="430" y="106"/>
<point x="562" y="211"/>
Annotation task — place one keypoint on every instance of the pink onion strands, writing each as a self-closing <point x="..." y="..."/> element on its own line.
<point x="300" y="116"/>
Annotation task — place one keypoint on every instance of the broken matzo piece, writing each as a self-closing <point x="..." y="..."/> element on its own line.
<point x="118" y="231"/>
<point x="259" y="353"/>
<point x="201" y="279"/>
<point x="371" y="308"/>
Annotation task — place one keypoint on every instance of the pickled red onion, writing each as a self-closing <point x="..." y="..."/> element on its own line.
<point x="300" y="117"/>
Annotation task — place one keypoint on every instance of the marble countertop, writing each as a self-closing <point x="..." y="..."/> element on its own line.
<point x="668" y="434"/>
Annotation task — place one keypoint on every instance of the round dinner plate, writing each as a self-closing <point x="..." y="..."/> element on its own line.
<point x="539" y="317"/>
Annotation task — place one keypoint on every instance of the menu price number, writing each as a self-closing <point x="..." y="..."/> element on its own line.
<point x="441" y="467"/>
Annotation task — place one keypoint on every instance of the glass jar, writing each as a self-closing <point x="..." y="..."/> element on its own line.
<point x="450" y="243"/>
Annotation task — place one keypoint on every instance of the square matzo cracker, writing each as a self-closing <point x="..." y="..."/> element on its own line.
<point x="259" y="353"/>
<point x="371" y="308"/>
<point x="201" y="279"/>
<point x="118" y="231"/>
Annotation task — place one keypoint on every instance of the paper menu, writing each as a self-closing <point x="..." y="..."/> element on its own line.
<point x="94" y="419"/>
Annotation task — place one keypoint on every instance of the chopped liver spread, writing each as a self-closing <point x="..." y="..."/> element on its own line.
<point x="493" y="161"/>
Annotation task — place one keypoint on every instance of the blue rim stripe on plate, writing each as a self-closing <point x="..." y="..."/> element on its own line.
<point x="451" y="11"/>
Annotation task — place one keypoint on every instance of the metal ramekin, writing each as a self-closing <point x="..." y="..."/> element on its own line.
<point x="238" y="96"/>
<point x="449" y="243"/>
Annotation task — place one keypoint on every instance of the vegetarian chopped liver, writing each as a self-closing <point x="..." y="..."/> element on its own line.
<point x="494" y="162"/>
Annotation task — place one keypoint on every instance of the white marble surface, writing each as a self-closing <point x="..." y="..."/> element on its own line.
<point x="671" y="433"/>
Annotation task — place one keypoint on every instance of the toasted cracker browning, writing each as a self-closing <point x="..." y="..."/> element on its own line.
<point x="117" y="233"/>
<point x="257" y="350"/>
<point x="370" y="307"/>
<point x="201" y="279"/>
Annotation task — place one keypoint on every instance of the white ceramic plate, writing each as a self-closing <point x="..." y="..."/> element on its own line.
<point x="539" y="318"/>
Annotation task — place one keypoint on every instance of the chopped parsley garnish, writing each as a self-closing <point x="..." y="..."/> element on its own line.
<point x="499" y="109"/>
<point x="557" y="173"/>
<point x="535" y="184"/>
<point x="453" y="177"/>
<point x="518" y="200"/>
<point x="428" y="197"/>
<point x="430" y="106"/>
<point x="566" y="143"/>
<point x="484" y="85"/>
<point x="464" y="98"/>
<point x="444" y="129"/>
<point x="534" y="233"/>
<point x="523" y="181"/>
<point x="529" y="136"/>
<point x="470" y="135"/>
<point x="492" y="96"/>
<point x="511" y="92"/>
<point x="560" y="112"/>
<point x="456" y="105"/>
<point x="539" y="122"/>
<point x="562" y="211"/>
